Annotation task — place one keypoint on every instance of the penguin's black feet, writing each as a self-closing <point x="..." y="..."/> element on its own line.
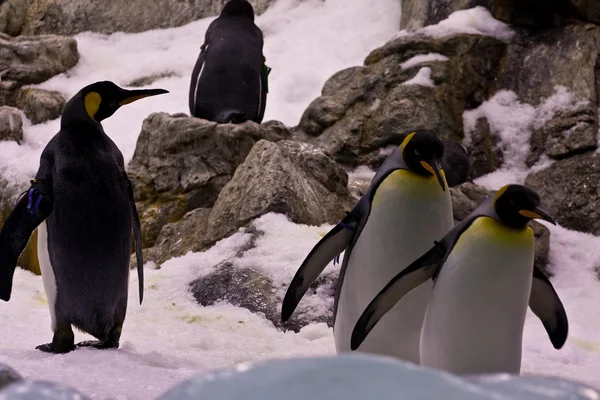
<point x="62" y="342"/>
<point x="99" y="344"/>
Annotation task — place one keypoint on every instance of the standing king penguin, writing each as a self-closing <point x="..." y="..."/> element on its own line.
<point x="229" y="80"/>
<point x="484" y="279"/>
<point x="405" y="209"/>
<point x="82" y="201"/>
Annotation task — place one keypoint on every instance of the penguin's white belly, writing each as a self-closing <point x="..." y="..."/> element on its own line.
<point x="47" y="272"/>
<point x="475" y="318"/>
<point x="407" y="215"/>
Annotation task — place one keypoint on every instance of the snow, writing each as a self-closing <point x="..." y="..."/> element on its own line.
<point x="305" y="43"/>
<point x="170" y="337"/>
<point x="422" y="78"/>
<point x="423" y="58"/>
<point x="475" y="21"/>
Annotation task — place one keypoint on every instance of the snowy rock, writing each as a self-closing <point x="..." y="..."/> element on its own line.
<point x="365" y="109"/>
<point x="8" y="376"/>
<point x="29" y="60"/>
<point x="570" y="193"/>
<point x="40" y="105"/>
<point x="182" y="163"/>
<point x="466" y="197"/>
<point x="291" y="178"/>
<point x="362" y="376"/>
<point x="11" y="124"/>
<point x="12" y="16"/>
<point x="150" y="79"/>
<point x="539" y="65"/>
<point x="40" y="390"/>
<point x="68" y="17"/>
<point x="484" y="149"/>
<point x="419" y="13"/>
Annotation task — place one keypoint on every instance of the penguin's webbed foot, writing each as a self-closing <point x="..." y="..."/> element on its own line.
<point x="99" y="344"/>
<point x="49" y="348"/>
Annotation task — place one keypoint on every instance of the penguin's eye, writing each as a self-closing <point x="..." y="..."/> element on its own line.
<point x="417" y="153"/>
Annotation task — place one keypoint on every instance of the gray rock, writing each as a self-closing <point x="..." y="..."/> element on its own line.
<point x="484" y="150"/>
<point x="68" y="17"/>
<point x="295" y="179"/>
<point x="40" y="105"/>
<point x="8" y="376"/>
<point x="29" y="60"/>
<point x="11" y="124"/>
<point x="182" y="163"/>
<point x="570" y="193"/>
<point x="12" y="16"/>
<point x="539" y="62"/>
<point x="150" y="79"/>
<point x="466" y="197"/>
<point x="539" y="13"/>
<point x="365" y="109"/>
<point x="40" y="390"/>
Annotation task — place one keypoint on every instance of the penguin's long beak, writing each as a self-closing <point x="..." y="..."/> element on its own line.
<point x="129" y="96"/>
<point x="434" y="168"/>
<point x="538" y="213"/>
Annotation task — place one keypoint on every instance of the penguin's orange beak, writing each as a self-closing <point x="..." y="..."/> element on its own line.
<point x="434" y="169"/>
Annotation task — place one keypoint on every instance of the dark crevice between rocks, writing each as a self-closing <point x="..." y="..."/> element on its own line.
<point x="251" y="244"/>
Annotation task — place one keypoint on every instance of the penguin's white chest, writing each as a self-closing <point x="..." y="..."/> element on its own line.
<point x="48" y="277"/>
<point x="408" y="214"/>
<point x="475" y="317"/>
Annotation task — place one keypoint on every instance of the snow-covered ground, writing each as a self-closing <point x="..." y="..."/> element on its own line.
<point x="170" y="337"/>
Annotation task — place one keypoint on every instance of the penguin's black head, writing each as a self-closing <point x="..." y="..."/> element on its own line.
<point x="422" y="152"/>
<point x="238" y="8"/>
<point x="516" y="205"/>
<point x="100" y="100"/>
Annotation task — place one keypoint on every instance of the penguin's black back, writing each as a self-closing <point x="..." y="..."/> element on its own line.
<point x="89" y="230"/>
<point x="228" y="77"/>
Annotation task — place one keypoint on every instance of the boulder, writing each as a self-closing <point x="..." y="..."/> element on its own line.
<point x="8" y="376"/>
<point x="40" y="105"/>
<point x="570" y="193"/>
<point x="11" y="124"/>
<point x="466" y="197"/>
<point x="484" y="150"/>
<point x="182" y="163"/>
<point x="291" y="178"/>
<point x="539" y="69"/>
<point x="12" y="16"/>
<point x="40" y="390"/>
<point x="532" y="13"/>
<point x="365" y="109"/>
<point x="68" y="17"/>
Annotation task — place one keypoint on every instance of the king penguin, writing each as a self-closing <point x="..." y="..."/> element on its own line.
<point x="406" y="207"/>
<point x="484" y="280"/>
<point x="82" y="201"/>
<point x="229" y="80"/>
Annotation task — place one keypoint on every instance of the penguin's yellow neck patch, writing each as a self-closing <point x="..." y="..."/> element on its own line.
<point x="92" y="102"/>
<point x="494" y="230"/>
<point x="405" y="142"/>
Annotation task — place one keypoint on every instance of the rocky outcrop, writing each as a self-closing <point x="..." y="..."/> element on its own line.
<point x="181" y="164"/>
<point x="41" y="105"/>
<point x="8" y="376"/>
<point x="40" y="390"/>
<point x="365" y="109"/>
<point x="570" y="192"/>
<point x="484" y="150"/>
<point x="11" y="124"/>
<point x="531" y="13"/>
<point x="68" y="17"/>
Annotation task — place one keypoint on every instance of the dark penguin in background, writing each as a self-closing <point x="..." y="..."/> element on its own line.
<point x="82" y="201"/>
<point x="456" y="163"/>
<point x="229" y="81"/>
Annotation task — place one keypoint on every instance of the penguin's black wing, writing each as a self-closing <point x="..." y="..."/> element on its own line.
<point x="546" y="305"/>
<point x="424" y="268"/>
<point x="326" y="250"/>
<point x="31" y="210"/>
<point x="137" y="235"/>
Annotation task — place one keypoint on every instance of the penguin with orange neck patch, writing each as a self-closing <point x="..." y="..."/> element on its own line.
<point x="82" y="201"/>
<point x="406" y="208"/>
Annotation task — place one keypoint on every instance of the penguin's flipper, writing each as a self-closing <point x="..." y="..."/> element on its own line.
<point x="546" y="305"/>
<point x="31" y="210"/>
<point x="419" y="272"/>
<point x="326" y="250"/>
<point x="137" y="235"/>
